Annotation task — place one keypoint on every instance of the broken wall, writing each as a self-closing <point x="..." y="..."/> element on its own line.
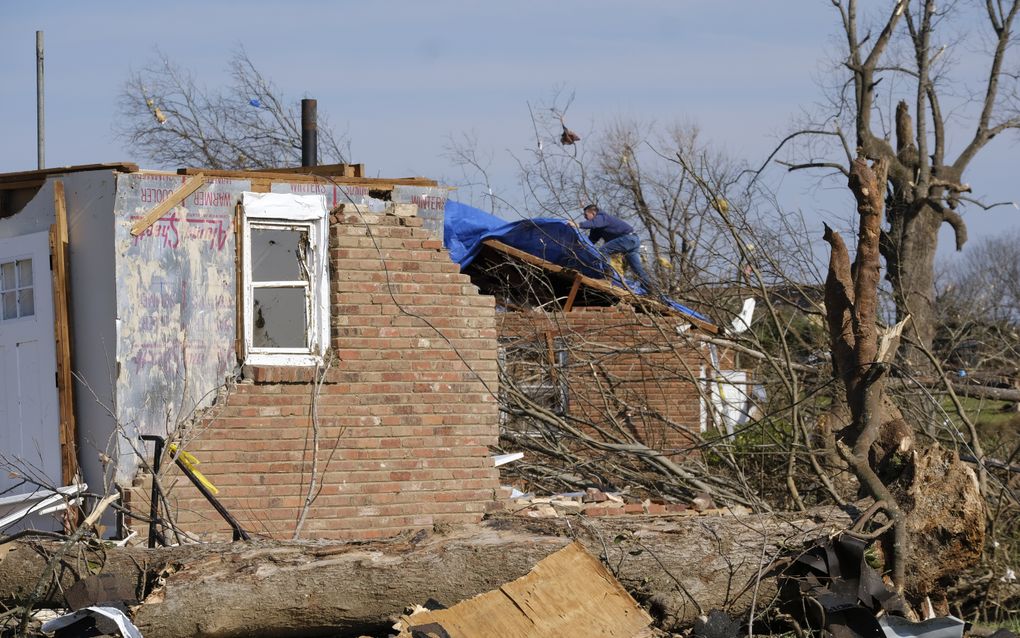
<point x="431" y="203"/>
<point x="613" y="367"/>
<point x="392" y="433"/>
<point x="350" y="195"/>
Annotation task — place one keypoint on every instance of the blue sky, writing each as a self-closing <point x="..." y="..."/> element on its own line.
<point x="403" y="76"/>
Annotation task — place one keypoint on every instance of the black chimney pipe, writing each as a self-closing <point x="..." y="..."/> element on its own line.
<point x="309" y="133"/>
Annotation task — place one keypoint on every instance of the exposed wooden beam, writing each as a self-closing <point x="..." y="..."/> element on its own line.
<point x="379" y="183"/>
<point x="337" y="170"/>
<point x="62" y="336"/>
<point x="602" y="285"/>
<point x="524" y="256"/>
<point x="165" y="206"/>
<point x="573" y="293"/>
<point x="40" y="175"/>
<point x="25" y="183"/>
<point x="239" y="258"/>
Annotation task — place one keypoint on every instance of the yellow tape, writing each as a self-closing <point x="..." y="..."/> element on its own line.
<point x="189" y="461"/>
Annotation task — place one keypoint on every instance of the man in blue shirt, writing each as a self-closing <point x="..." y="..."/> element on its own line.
<point x="618" y="237"/>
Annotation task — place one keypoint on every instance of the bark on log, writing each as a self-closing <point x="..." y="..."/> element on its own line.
<point x="309" y="588"/>
<point x="683" y="566"/>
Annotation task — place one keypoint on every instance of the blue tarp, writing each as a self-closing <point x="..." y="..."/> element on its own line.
<point x="466" y="227"/>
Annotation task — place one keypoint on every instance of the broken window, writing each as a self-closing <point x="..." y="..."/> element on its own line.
<point x="280" y="286"/>
<point x="17" y="295"/>
<point x="286" y="321"/>
<point x="538" y="370"/>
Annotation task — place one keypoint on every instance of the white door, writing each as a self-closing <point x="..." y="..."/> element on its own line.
<point x="29" y="417"/>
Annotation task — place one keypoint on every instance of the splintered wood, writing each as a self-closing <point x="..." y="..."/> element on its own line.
<point x="569" y="594"/>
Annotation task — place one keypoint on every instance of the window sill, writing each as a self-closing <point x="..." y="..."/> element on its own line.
<point x="283" y="360"/>
<point x="270" y="374"/>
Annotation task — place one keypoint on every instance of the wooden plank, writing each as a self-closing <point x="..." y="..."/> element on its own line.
<point x="523" y="256"/>
<point x="334" y="170"/>
<point x="239" y="300"/>
<point x="25" y="183"/>
<point x="573" y="293"/>
<point x="601" y="285"/>
<point x="165" y="206"/>
<point x="62" y="335"/>
<point x="122" y="167"/>
<point x="261" y="185"/>
<point x="376" y="183"/>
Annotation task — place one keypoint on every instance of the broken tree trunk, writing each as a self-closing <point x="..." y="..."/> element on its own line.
<point x="678" y="564"/>
<point x="931" y="501"/>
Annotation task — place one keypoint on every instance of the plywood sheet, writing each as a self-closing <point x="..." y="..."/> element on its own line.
<point x="569" y="594"/>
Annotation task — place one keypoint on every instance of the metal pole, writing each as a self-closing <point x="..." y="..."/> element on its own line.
<point x="154" y="496"/>
<point x="157" y="457"/>
<point x="309" y="133"/>
<point x="40" y="99"/>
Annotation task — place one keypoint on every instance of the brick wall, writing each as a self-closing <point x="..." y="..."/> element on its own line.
<point x="622" y="369"/>
<point x="406" y="411"/>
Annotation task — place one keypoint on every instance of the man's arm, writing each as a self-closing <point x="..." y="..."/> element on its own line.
<point x="593" y="231"/>
<point x="598" y="221"/>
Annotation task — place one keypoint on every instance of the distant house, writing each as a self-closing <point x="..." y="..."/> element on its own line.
<point x="592" y="349"/>
<point x="296" y="332"/>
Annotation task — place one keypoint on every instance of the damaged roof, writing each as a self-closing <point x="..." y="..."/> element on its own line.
<point x="576" y="268"/>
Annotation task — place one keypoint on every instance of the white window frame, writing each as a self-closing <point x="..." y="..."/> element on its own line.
<point x="284" y="211"/>
<point x="19" y="287"/>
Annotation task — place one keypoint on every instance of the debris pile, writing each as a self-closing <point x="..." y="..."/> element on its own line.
<point x="595" y="502"/>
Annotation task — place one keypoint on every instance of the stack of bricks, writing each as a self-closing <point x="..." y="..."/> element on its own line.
<point x="638" y="358"/>
<point x="405" y="411"/>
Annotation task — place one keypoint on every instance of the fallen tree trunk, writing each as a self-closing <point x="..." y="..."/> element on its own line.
<point x="680" y="564"/>
<point x="972" y="390"/>
<point x="683" y="566"/>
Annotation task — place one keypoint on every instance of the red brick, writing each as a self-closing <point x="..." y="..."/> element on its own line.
<point x="659" y="383"/>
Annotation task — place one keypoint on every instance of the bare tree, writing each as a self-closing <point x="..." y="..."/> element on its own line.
<point x="627" y="168"/>
<point x="637" y="177"/>
<point x="978" y="332"/>
<point x="988" y="279"/>
<point x="171" y="119"/>
<point x="907" y="56"/>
